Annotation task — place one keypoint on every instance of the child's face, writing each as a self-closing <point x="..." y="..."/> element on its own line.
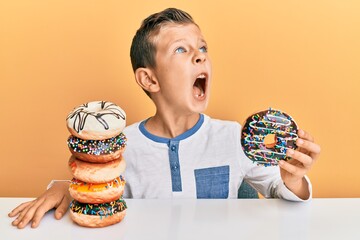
<point x="183" y="68"/>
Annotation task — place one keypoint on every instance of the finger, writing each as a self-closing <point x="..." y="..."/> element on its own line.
<point x="292" y="169"/>
<point x="306" y="160"/>
<point x="305" y="135"/>
<point x="311" y="147"/>
<point x="19" y="209"/>
<point x="29" y="214"/>
<point x="23" y="213"/>
<point x="40" y="212"/>
<point x="62" y="208"/>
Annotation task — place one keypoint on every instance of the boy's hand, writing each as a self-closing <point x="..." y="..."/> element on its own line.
<point x="302" y="159"/>
<point x="56" y="197"/>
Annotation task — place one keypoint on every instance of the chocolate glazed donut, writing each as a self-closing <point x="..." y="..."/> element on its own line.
<point x="98" y="215"/>
<point x="99" y="151"/>
<point x="259" y="127"/>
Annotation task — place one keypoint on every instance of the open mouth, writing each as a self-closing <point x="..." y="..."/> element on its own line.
<point x="200" y="86"/>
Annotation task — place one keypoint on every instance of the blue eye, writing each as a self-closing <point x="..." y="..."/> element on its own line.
<point x="204" y="49"/>
<point x="180" y="50"/>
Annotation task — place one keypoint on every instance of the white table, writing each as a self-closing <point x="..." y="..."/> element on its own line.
<point x="205" y="219"/>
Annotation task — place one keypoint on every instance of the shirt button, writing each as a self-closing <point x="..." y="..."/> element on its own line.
<point x="173" y="148"/>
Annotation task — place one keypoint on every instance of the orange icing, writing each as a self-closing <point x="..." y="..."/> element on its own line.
<point x="95" y="187"/>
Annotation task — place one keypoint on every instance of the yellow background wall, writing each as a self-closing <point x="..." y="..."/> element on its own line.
<point x="302" y="57"/>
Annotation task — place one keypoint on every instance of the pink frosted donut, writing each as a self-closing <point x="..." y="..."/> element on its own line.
<point x="96" y="120"/>
<point x="97" y="192"/>
<point x="96" y="172"/>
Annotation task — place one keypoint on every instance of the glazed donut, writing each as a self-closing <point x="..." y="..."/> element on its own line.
<point x="98" y="215"/>
<point x="96" y="193"/>
<point x="96" y="172"/>
<point x="272" y="123"/>
<point x="96" y="120"/>
<point x="97" y="150"/>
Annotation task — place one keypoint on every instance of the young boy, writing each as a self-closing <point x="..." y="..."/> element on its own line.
<point x="180" y="152"/>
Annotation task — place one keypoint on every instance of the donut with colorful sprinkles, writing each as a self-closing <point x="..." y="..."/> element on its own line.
<point x="267" y="135"/>
<point x="98" y="215"/>
<point x="97" y="151"/>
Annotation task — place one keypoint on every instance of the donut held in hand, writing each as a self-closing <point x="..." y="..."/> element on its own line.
<point x="96" y="120"/>
<point x="97" y="150"/>
<point x="97" y="193"/>
<point x="98" y="215"/>
<point x="96" y="172"/>
<point x="259" y="127"/>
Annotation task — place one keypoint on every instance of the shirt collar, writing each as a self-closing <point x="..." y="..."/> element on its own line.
<point x="182" y="136"/>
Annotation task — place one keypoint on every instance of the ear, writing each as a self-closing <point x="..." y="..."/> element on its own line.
<point x="147" y="80"/>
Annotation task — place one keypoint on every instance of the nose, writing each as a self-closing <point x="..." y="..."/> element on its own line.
<point x="199" y="57"/>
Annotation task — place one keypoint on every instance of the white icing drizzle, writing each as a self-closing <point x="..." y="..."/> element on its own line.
<point x="92" y="119"/>
<point x="267" y="154"/>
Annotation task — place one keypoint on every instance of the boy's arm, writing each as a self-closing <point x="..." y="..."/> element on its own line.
<point x="268" y="181"/>
<point x="55" y="197"/>
<point x="289" y="181"/>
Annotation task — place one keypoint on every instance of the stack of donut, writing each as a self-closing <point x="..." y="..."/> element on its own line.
<point x="97" y="143"/>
